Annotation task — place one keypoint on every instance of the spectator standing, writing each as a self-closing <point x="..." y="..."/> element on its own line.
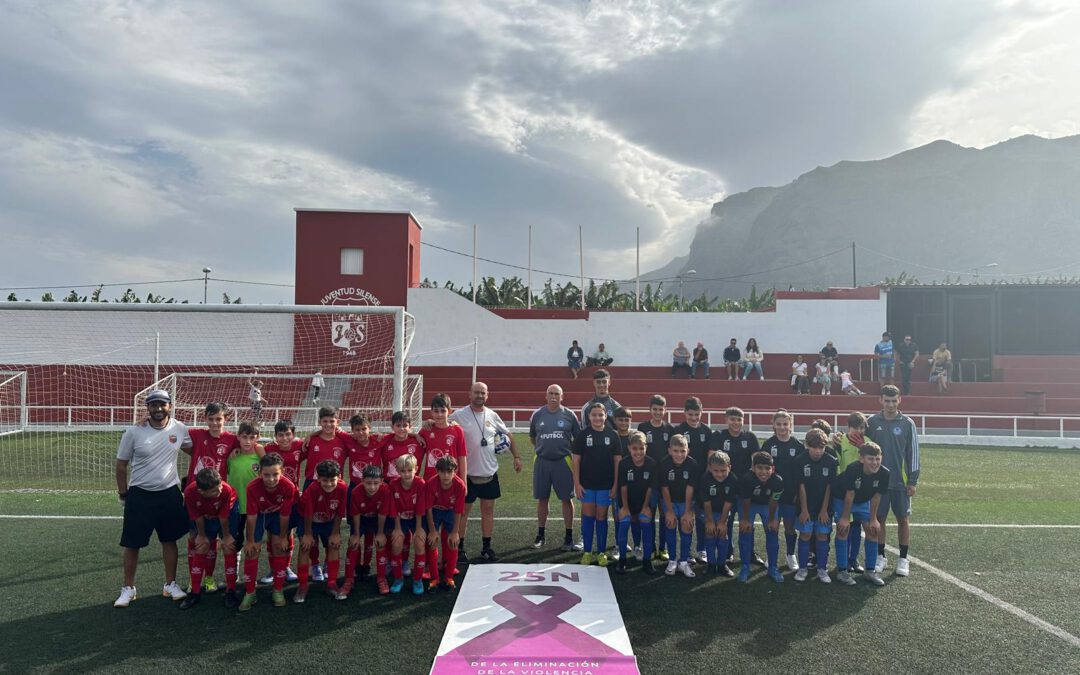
<point x="151" y="493"/>
<point x="601" y="380"/>
<point x="732" y="359"/>
<point x="907" y="352"/>
<point x="552" y="431"/>
<point x="831" y="358"/>
<point x="317" y="383"/>
<point x="754" y="358"/>
<point x="575" y="356"/>
<point x="883" y="351"/>
<point x="700" y="360"/>
<point x="680" y="358"/>
<point x="481" y="425"/>
<point x="800" y="382"/>
<point x="601" y="357"/>
<point x="941" y="368"/>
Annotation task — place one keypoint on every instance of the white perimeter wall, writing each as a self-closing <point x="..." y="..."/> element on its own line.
<point x="445" y="319"/>
<point x="128" y="338"/>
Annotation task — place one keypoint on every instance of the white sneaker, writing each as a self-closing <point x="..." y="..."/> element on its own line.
<point x="318" y="575"/>
<point x="267" y="580"/>
<point x="823" y="576"/>
<point x="290" y="576"/>
<point x="801" y="575"/>
<point x="671" y="567"/>
<point x="882" y="562"/>
<point x="638" y="552"/>
<point x="902" y="569"/>
<point x="579" y="545"/>
<point x="792" y="563"/>
<point x="703" y="557"/>
<point x="874" y="578"/>
<point x="127" y="594"/>
<point x="684" y="567"/>
<point x="172" y="590"/>
<point x="843" y="577"/>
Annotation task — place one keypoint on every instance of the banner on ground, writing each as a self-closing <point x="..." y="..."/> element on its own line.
<point x="535" y="620"/>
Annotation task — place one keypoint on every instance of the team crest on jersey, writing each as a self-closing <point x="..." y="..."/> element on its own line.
<point x="671" y="475"/>
<point x="897" y="431"/>
<point x="560" y="424"/>
<point x="588" y="441"/>
<point x="702" y="438"/>
<point x="825" y="471"/>
<point x="806" y="471"/>
<point x="449" y="440"/>
<point x="876" y="483"/>
<point x="172" y="438"/>
<point x="712" y="490"/>
<point x="648" y="438"/>
<point x="858" y="483"/>
<point x="744" y="445"/>
<point x="348" y="330"/>
<point x="645" y="475"/>
<point x="607" y="441"/>
<point x="334" y="504"/>
<point x="757" y="491"/>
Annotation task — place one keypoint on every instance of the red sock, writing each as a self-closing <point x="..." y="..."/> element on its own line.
<point x="315" y="552"/>
<point x="303" y="570"/>
<point x="278" y="563"/>
<point x="433" y="563"/>
<point x="419" y="565"/>
<point x="230" y="571"/>
<point x="350" y="565"/>
<point x="197" y="568"/>
<point x="380" y="565"/>
<point x="333" y="567"/>
<point x="395" y="565"/>
<point x="369" y="541"/>
<point x="251" y="571"/>
<point x="451" y="563"/>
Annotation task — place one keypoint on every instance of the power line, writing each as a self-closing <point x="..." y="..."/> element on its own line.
<point x="129" y="284"/>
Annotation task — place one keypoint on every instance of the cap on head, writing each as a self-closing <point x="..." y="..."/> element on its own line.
<point x="158" y="395"/>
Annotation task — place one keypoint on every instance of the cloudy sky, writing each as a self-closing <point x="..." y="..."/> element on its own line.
<point x="142" y="140"/>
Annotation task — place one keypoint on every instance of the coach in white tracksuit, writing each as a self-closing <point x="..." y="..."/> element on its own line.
<point x="151" y="495"/>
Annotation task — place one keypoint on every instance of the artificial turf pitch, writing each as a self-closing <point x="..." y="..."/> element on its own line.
<point x="58" y="578"/>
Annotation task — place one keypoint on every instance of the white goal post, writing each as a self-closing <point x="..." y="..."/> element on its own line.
<point x="13" y="410"/>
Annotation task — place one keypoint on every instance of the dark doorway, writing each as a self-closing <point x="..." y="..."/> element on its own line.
<point x="971" y="331"/>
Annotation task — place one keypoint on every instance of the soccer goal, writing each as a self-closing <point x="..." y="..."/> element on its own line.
<point x="75" y="375"/>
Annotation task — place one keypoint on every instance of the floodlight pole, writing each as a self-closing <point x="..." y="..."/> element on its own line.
<point x="205" y="282"/>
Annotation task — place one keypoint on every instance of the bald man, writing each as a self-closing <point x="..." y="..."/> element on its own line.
<point x="481" y="425"/>
<point x="552" y="430"/>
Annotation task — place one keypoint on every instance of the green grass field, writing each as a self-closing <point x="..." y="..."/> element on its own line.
<point x="60" y="576"/>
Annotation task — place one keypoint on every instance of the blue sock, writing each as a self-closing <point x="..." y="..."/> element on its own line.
<point x="588" y="524"/>
<point x="725" y="550"/>
<point x="670" y="539"/>
<point x="684" y="545"/>
<point x="662" y="526"/>
<point x="647" y="533"/>
<point x="635" y="532"/>
<point x="871" y="554"/>
<point x="746" y="548"/>
<point x="702" y="542"/>
<point x="789" y="540"/>
<point x="772" y="547"/>
<point x="620" y="535"/>
<point x="804" y="553"/>
<point x="712" y="550"/>
<point x="601" y="535"/>
<point x="823" y="554"/>
<point x="854" y="541"/>
<point x="841" y="554"/>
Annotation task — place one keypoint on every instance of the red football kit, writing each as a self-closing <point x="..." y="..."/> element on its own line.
<point x="323" y="506"/>
<point x="209" y="507"/>
<point x="291" y="456"/>
<point x="319" y="449"/>
<point x="441" y="443"/>
<point x="377" y="504"/>
<point x="391" y="448"/>
<point x="448" y="499"/>
<point x="210" y="452"/>
<point x="261" y="500"/>
<point x="408" y="502"/>
<point x="362" y="455"/>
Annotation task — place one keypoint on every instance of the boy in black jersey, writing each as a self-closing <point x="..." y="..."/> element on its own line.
<point x="621" y="419"/>
<point x="678" y="476"/>
<point x="815" y="472"/>
<point x="595" y="459"/>
<point x="784" y="448"/>
<point x="637" y="484"/>
<point x="759" y="495"/>
<point x="740" y="446"/>
<point x="658" y="433"/>
<point x="863" y="483"/>
<point x="719" y="490"/>
<point x="700" y="437"/>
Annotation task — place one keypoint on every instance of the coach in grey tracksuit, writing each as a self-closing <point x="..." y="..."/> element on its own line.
<point x="552" y="430"/>
<point x="898" y="437"/>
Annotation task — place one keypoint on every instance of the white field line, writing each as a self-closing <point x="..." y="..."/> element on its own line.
<point x="994" y="600"/>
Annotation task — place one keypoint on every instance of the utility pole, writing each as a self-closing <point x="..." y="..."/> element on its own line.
<point x="854" y="281"/>
<point x="205" y="282"/>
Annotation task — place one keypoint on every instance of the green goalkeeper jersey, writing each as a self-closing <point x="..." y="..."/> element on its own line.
<point x="243" y="468"/>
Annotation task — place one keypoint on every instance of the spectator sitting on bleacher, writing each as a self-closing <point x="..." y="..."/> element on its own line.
<point x="575" y="356"/>
<point x="600" y="357"/>
<point x="823" y="375"/>
<point x="847" y="386"/>
<point x="732" y="359"/>
<point x="700" y="360"/>
<point x="800" y="383"/>
<point x="940" y="367"/>
<point x="830" y="354"/>
<point x="753" y="358"/>
<point x="680" y="358"/>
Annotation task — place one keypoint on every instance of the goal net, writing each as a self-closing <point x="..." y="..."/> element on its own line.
<point x="76" y="375"/>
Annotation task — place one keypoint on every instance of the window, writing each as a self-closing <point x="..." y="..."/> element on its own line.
<point x="352" y="261"/>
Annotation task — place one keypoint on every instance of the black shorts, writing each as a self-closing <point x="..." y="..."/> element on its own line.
<point x="488" y="490"/>
<point x="146" y="512"/>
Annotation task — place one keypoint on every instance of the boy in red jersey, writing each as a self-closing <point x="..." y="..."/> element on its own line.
<point x="210" y="505"/>
<point x="329" y="443"/>
<point x="289" y="447"/>
<point x="398" y="444"/>
<point x="446" y="507"/>
<point x="407" y="507"/>
<point x="442" y="439"/>
<point x="270" y="499"/>
<point x="322" y="506"/>
<point x="210" y="448"/>
<point x="369" y="507"/>
<point x="363" y="446"/>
